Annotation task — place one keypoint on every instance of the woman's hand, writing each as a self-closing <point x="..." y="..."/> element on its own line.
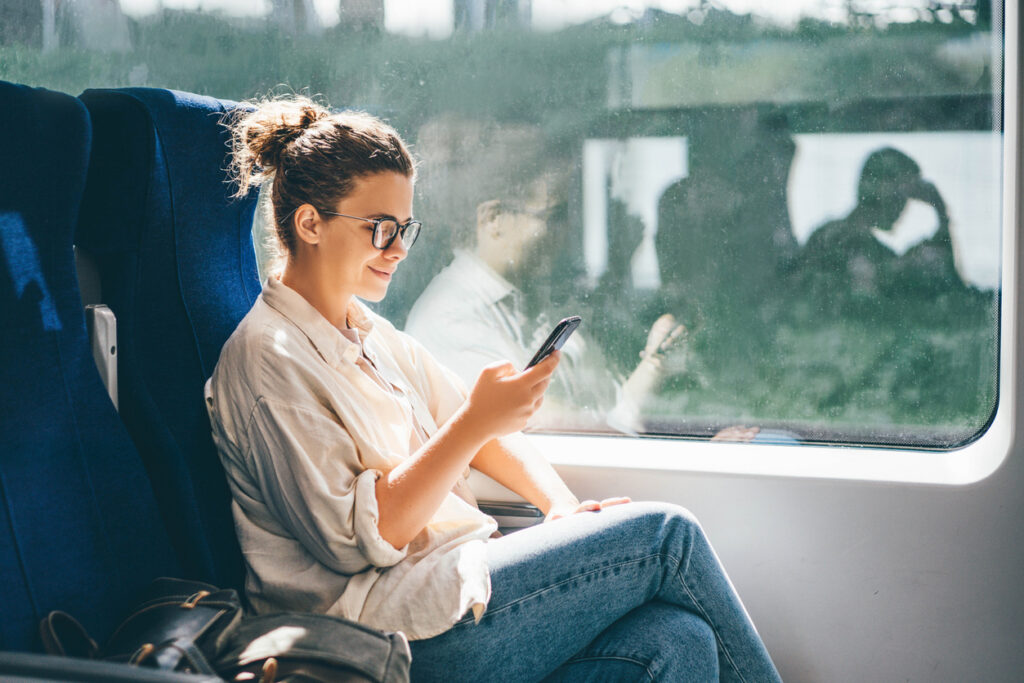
<point x="736" y="433"/>
<point x="504" y="399"/>
<point x="501" y="402"/>
<point x="559" y="511"/>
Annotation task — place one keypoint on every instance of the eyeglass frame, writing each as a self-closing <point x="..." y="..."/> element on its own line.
<point x="402" y="228"/>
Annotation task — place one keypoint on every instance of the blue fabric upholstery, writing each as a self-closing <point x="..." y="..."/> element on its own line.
<point x="79" y="528"/>
<point x="178" y="268"/>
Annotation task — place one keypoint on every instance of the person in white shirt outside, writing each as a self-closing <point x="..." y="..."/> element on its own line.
<point x="472" y="314"/>
<point x="346" y="446"/>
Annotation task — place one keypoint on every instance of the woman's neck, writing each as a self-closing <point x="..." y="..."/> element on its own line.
<point x="320" y="296"/>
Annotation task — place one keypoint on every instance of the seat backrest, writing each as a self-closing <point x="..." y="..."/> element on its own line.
<point x="79" y="528"/>
<point x="177" y="267"/>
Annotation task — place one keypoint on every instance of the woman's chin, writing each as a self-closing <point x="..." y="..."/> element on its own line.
<point x="375" y="295"/>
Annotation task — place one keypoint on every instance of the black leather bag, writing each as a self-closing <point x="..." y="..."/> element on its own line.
<point x="313" y="648"/>
<point x="192" y="627"/>
<point x="179" y="626"/>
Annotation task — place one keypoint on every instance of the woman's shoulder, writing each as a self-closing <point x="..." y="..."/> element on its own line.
<point x="249" y="331"/>
<point x="263" y="342"/>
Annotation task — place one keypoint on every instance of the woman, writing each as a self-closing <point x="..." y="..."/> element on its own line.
<point x="347" y="445"/>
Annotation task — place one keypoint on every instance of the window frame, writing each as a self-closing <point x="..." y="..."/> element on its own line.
<point x="962" y="465"/>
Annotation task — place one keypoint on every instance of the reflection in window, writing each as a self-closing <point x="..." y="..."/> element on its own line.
<point x="781" y="225"/>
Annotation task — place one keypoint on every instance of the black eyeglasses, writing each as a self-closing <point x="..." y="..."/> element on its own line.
<point x="385" y="230"/>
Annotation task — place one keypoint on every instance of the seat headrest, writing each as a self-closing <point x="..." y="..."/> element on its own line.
<point x="52" y="129"/>
<point x="185" y="146"/>
<point x="159" y="182"/>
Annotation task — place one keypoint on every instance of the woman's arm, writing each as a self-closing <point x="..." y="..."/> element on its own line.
<point x="501" y="402"/>
<point x="513" y="462"/>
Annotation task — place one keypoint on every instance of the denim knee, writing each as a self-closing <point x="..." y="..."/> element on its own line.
<point x="655" y="642"/>
<point x="671" y="511"/>
<point x="664" y="524"/>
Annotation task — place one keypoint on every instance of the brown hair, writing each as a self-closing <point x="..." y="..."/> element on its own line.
<point x="314" y="156"/>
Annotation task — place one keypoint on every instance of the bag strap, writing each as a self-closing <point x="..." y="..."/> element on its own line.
<point x="63" y="635"/>
<point x="169" y="655"/>
<point x="170" y="634"/>
<point x="399" y="660"/>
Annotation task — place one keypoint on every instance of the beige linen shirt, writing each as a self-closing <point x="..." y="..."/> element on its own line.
<point x="304" y="433"/>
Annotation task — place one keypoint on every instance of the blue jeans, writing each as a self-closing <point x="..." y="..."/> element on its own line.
<point x="631" y="593"/>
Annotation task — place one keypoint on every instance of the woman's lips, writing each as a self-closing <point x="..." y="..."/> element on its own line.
<point x="382" y="274"/>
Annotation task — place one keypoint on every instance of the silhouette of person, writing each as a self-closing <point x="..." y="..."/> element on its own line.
<point x="929" y="267"/>
<point x="846" y="265"/>
<point x="876" y="296"/>
<point x="724" y="242"/>
<point x="723" y="231"/>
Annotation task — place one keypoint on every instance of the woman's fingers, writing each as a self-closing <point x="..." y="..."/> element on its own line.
<point x="596" y="506"/>
<point x="539" y="388"/>
<point x="503" y="399"/>
<point x="585" y="506"/>
<point x="736" y="433"/>
<point x="543" y="369"/>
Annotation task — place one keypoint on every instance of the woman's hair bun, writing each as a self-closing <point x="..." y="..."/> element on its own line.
<point x="311" y="113"/>
<point x="261" y="136"/>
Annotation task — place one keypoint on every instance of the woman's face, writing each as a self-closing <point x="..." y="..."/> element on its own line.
<point x="349" y="259"/>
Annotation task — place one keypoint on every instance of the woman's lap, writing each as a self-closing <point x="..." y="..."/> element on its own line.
<point x="556" y="587"/>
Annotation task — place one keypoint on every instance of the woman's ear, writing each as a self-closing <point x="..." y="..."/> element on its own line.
<point x="307" y="224"/>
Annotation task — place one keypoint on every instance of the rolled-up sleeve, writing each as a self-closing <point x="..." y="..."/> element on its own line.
<point x="308" y="468"/>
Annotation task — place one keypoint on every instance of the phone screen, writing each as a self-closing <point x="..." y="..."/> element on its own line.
<point x="556" y="339"/>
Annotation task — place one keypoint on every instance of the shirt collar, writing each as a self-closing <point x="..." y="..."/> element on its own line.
<point x="480" y="278"/>
<point x="328" y="340"/>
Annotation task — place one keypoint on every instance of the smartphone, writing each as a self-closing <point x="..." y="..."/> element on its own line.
<point x="563" y="329"/>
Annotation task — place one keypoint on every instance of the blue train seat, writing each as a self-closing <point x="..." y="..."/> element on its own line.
<point x="177" y="267"/>
<point x="79" y="526"/>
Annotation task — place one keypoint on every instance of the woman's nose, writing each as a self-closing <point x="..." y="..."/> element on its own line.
<point x="396" y="251"/>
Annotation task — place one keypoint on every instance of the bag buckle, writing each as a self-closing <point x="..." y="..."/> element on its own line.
<point x="194" y="599"/>
<point x="144" y="651"/>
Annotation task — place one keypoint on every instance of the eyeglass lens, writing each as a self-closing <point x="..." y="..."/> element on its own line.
<point x="385" y="233"/>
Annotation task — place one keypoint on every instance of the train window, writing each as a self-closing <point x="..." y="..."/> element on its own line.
<point x="780" y="222"/>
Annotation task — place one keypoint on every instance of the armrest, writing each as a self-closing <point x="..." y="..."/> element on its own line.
<point x="102" y="327"/>
<point x="512" y="515"/>
<point x="24" y="667"/>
